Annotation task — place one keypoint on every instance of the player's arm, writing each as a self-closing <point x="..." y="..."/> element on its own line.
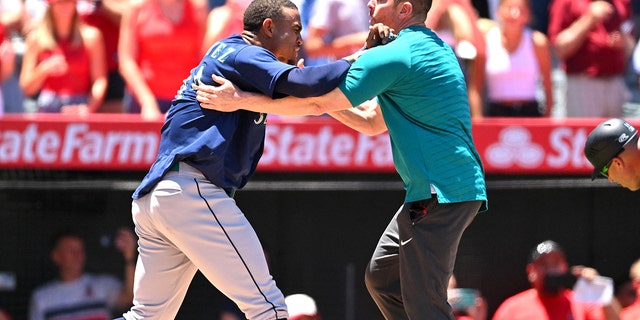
<point x="312" y="81"/>
<point x="228" y="98"/>
<point x="366" y="118"/>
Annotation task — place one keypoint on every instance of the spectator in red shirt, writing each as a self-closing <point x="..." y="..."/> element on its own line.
<point x="160" y="41"/>
<point x="590" y="39"/>
<point x="632" y="312"/>
<point x="64" y="62"/>
<point x="550" y="297"/>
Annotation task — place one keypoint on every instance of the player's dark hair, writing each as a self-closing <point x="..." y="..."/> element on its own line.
<point x="259" y="10"/>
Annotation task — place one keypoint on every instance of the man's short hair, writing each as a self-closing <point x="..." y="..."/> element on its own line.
<point x="58" y="237"/>
<point x="419" y="6"/>
<point x="260" y="10"/>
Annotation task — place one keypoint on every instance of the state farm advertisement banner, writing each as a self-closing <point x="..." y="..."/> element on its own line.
<point x="115" y="142"/>
<point x="320" y="144"/>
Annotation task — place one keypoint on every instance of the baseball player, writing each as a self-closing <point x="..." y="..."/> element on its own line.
<point x="183" y="210"/>
<point x="613" y="150"/>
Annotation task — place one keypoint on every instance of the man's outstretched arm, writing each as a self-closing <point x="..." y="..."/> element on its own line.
<point x="228" y="98"/>
<point x="366" y="118"/>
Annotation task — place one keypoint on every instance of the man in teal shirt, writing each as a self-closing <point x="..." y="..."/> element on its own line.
<point x="421" y="99"/>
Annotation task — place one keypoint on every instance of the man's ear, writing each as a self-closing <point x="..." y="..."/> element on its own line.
<point x="406" y="9"/>
<point x="267" y="27"/>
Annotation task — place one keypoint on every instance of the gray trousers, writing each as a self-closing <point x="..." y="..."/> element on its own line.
<point x="409" y="271"/>
<point x="188" y="224"/>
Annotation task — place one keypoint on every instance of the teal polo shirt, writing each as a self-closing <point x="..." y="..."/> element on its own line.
<point x="423" y="97"/>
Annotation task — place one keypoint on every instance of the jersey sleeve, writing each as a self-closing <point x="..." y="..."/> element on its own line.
<point x="312" y="81"/>
<point x="373" y="73"/>
<point x="261" y="69"/>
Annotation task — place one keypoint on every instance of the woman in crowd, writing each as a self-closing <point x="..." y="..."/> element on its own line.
<point x="160" y="41"/>
<point x="64" y="62"/>
<point x="518" y="60"/>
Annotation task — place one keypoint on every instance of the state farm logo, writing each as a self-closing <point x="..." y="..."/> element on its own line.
<point x="515" y="147"/>
<point x="77" y="144"/>
<point x="288" y="146"/>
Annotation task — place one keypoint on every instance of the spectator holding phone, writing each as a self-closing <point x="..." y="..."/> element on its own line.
<point x="466" y="303"/>
<point x="551" y="296"/>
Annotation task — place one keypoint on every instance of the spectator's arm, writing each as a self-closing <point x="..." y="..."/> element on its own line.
<point x="95" y="45"/>
<point x="612" y="311"/>
<point x="7" y="60"/>
<point x="569" y="40"/>
<point x="542" y="51"/>
<point x="465" y="26"/>
<point x="127" y="53"/>
<point x="217" y="19"/>
<point x="125" y="241"/>
<point x="33" y="74"/>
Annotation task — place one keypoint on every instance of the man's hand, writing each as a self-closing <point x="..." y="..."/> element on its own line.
<point x="250" y="38"/>
<point x="126" y="242"/>
<point x="601" y="10"/>
<point x="584" y="272"/>
<point x="379" y="34"/>
<point x="225" y="97"/>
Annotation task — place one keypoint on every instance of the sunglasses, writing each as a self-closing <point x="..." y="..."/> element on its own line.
<point x="605" y="169"/>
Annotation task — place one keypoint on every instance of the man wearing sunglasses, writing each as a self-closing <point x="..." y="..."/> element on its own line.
<point x="612" y="149"/>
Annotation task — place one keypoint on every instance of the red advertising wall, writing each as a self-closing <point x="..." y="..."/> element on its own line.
<point x="307" y="144"/>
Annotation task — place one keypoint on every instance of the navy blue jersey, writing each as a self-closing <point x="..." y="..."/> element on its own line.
<point x="224" y="146"/>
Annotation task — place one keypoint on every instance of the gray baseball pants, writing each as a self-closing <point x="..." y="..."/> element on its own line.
<point x="187" y="224"/>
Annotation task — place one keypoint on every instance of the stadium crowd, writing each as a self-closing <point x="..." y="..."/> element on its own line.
<point x="521" y="58"/>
